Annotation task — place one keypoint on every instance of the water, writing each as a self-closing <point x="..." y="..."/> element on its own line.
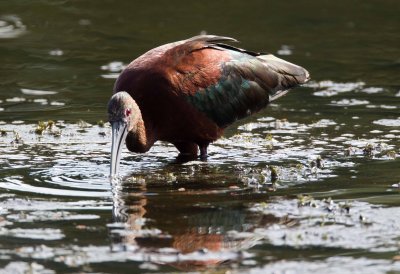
<point x="311" y="184"/>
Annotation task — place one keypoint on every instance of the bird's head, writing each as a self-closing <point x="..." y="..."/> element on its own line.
<point x="123" y="116"/>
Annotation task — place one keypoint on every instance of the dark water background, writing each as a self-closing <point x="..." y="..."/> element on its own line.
<point x="58" y="213"/>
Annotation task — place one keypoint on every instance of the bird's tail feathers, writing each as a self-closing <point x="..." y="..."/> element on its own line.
<point x="290" y="75"/>
<point x="281" y="66"/>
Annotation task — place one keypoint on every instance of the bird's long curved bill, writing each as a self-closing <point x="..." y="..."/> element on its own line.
<point x="119" y="132"/>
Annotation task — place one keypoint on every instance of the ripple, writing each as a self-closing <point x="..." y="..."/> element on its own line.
<point x="373" y="226"/>
<point x="47" y="234"/>
<point x="382" y="106"/>
<point x="31" y="103"/>
<point x="56" y="52"/>
<point x="11" y="26"/>
<point x="19" y="204"/>
<point x="114" y="68"/>
<point x="388" y="122"/>
<point x="37" y="92"/>
<point x="23" y="267"/>
<point x="18" y="185"/>
<point x="334" y="265"/>
<point x="329" y="88"/>
<point x="76" y="162"/>
<point x="285" y="50"/>
<point x="64" y="166"/>
<point x="323" y="123"/>
<point x="83" y="255"/>
<point x="16" y="99"/>
<point x="40" y="216"/>
<point x="264" y="156"/>
<point x="110" y="76"/>
<point x="372" y="90"/>
<point x="349" y="102"/>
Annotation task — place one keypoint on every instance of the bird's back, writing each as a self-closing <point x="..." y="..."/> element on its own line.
<point x="192" y="89"/>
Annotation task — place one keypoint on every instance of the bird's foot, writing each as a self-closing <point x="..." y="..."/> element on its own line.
<point x="203" y="157"/>
<point x="185" y="157"/>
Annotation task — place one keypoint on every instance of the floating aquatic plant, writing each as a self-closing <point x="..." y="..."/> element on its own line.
<point x="391" y="154"/>
<point x="318" y="163"/>
<point x="48" y="126"/>
<point x="305" y="200"/>
<point x="349" y="151"/>
<point x="83" y="124"/>
<point x="100" y="123"/>
<point x="368" y="150"/>
<point x="274" y="173"/>
<point x="136" y="180"/>
<point x="17" y="139"/>
<point x="40" y="128"/>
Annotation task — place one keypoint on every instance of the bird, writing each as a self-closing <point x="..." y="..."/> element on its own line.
<point x="187" y="92"/>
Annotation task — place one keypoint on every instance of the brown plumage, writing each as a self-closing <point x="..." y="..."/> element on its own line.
<point x="187" y="92"/>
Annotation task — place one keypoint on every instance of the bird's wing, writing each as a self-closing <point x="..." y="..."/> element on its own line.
<point x="228" y="83"/>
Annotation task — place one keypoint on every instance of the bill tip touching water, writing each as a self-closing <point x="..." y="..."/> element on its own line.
<point x="187" y="92"/>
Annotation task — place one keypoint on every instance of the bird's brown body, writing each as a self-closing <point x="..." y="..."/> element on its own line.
<point x="187" y="92"/>
<point x="156" y="81"/>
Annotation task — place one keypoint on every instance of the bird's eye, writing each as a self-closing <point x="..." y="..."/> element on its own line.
<point x="128" y="112"/>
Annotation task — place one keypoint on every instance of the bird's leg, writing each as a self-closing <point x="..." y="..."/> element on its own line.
<point x="203" y="151"/>
<point x="187" y="150"/>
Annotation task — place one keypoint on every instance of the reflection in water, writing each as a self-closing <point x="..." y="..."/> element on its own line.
<point x="193" y="215"/>
<point x="127" y="206"/>
<point x="206" y="237"/>
<point x="59" y="62"/>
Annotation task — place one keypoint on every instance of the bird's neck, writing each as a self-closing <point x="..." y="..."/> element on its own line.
<point x="140" y="138"/>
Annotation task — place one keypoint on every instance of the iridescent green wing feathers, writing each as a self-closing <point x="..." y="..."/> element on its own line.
<point x="236" y="95"/>
<point x="246" y="83"/>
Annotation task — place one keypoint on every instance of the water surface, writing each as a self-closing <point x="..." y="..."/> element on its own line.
<point x="310" y="184"/>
